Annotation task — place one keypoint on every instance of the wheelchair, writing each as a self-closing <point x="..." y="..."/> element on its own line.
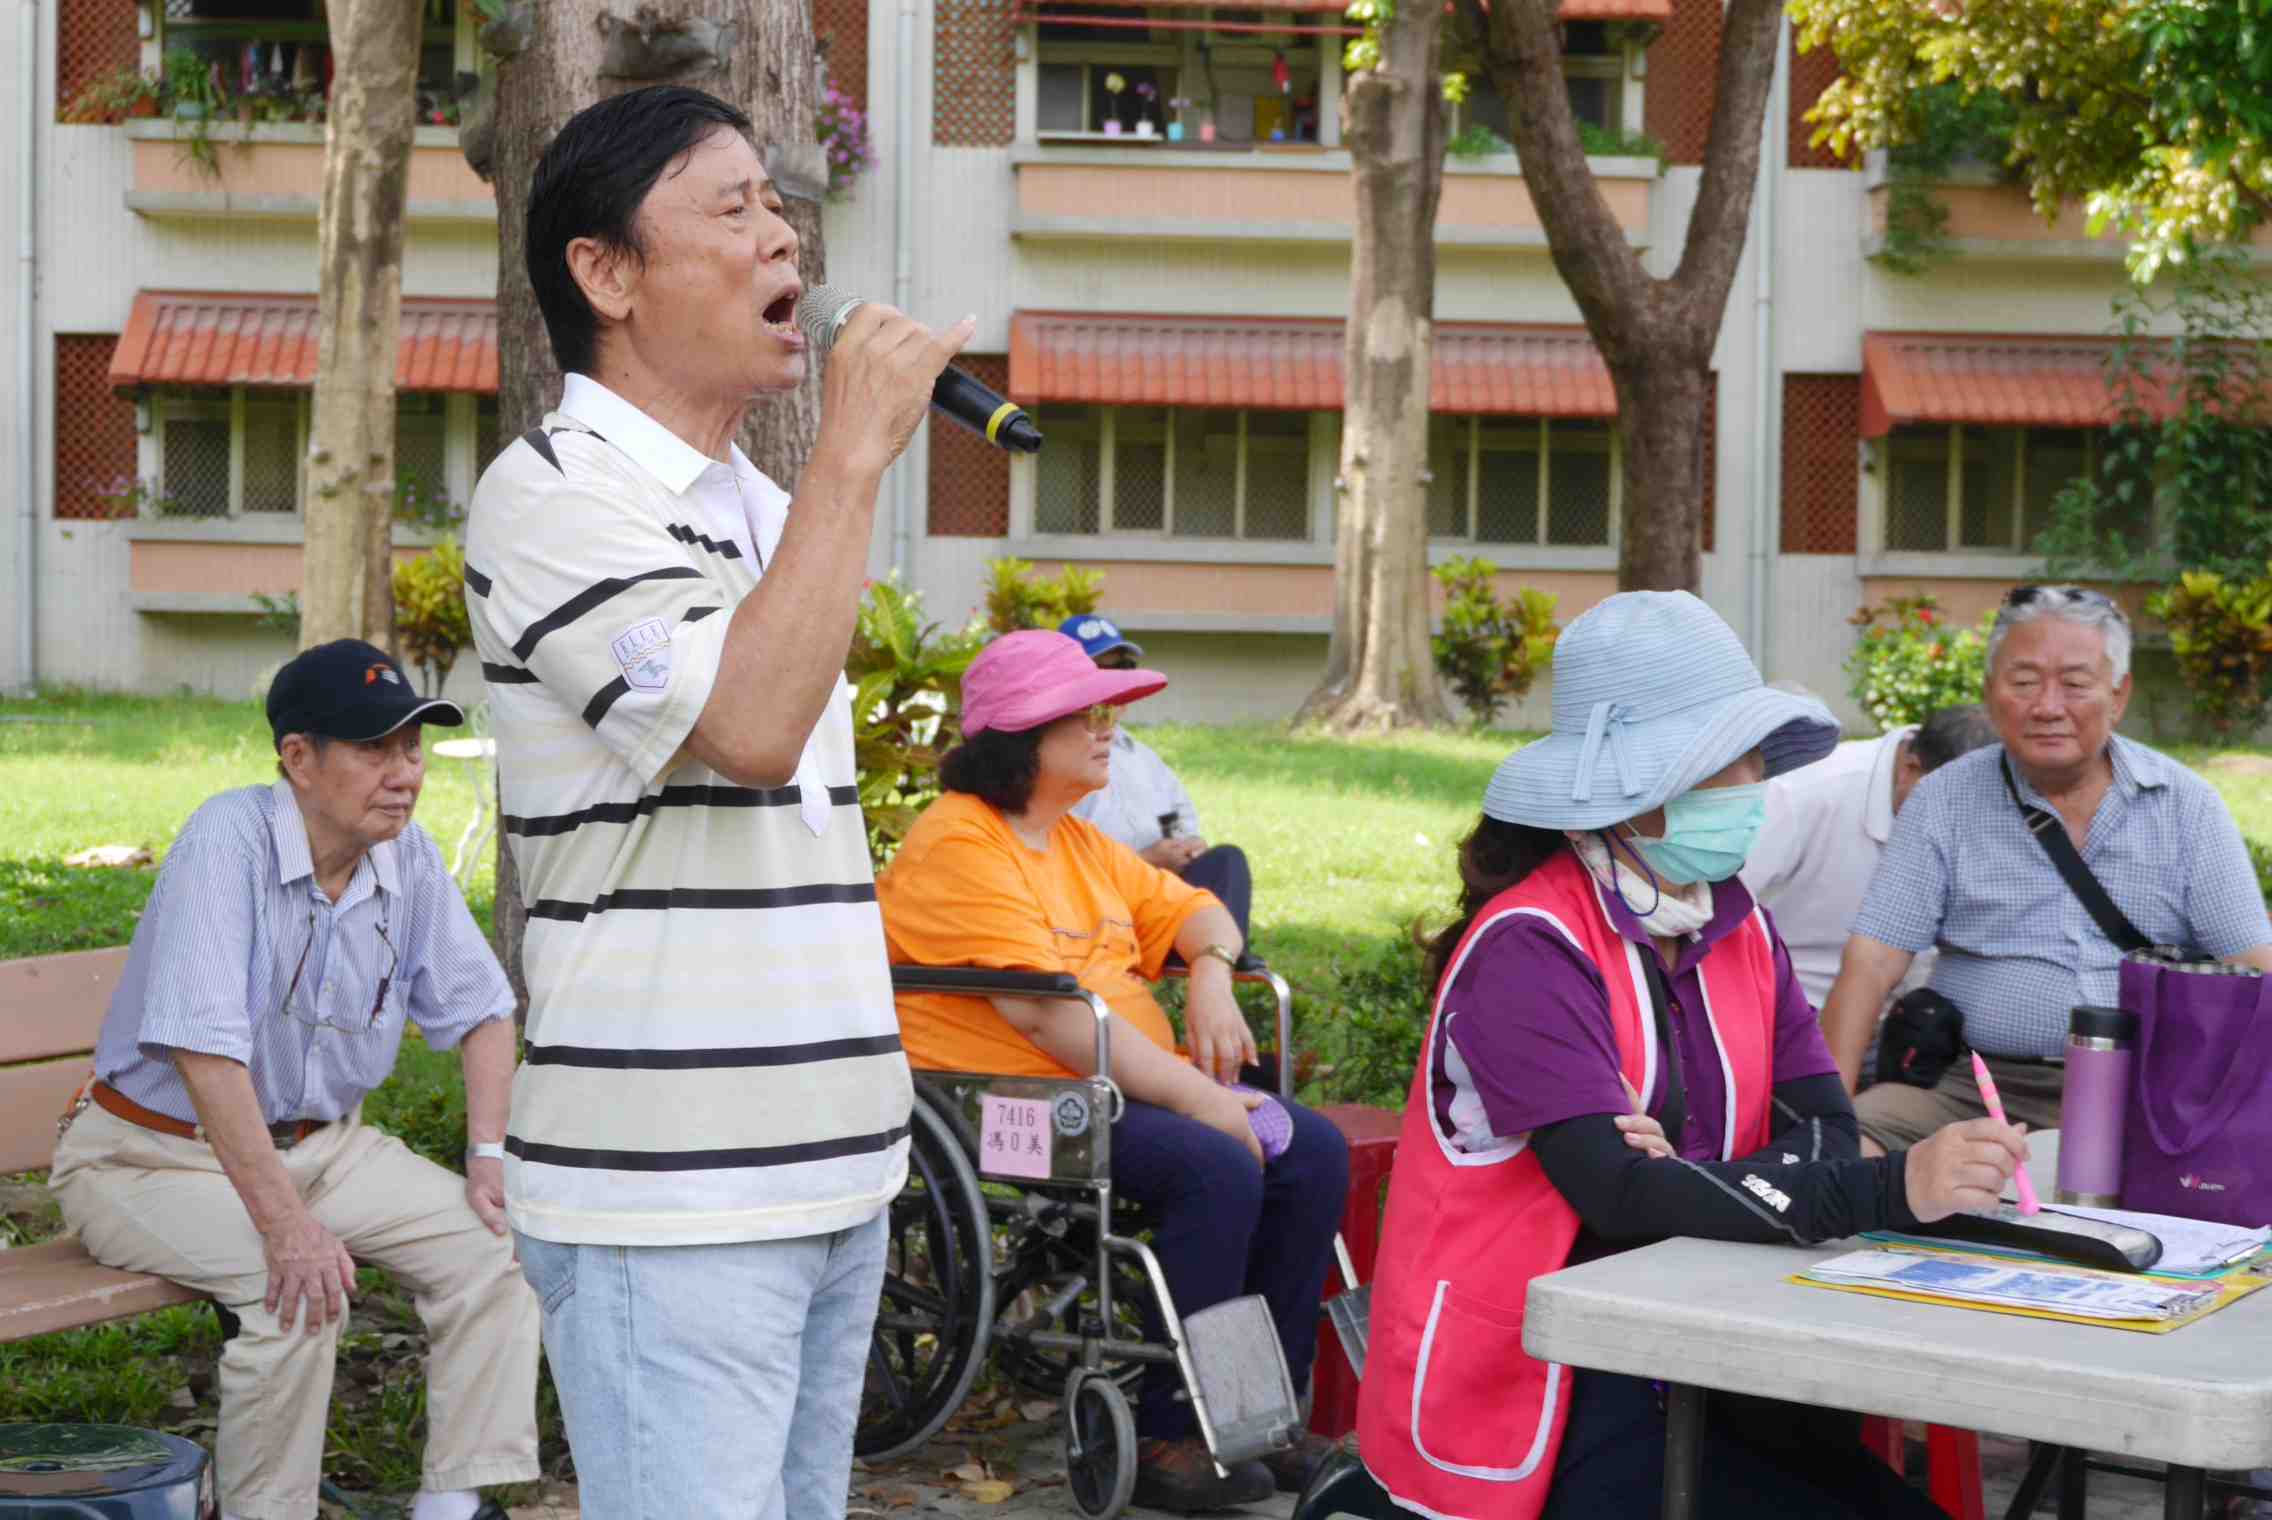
<point x="1007" y="1239"/>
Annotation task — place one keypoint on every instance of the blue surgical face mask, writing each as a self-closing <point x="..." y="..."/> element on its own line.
<point x="1708" y="833"/>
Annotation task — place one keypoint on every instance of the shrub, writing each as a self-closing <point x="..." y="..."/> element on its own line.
<point x="906" y="707"/>
<point x="429" y="611"/>
<point x="842" y="128"/>
<point x="1490" y="650"/>
<point x="1015" y="599"/>
<point x="2221" y="632"/>
<point x="1373" y="1025"/>
<point x="1909" y="662"/>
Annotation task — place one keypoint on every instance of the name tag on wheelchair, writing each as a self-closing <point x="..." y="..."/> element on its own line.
<point x="1030" y="1129"/>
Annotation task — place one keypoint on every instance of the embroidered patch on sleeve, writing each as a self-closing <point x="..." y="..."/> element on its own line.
<point x="643" y="653"/>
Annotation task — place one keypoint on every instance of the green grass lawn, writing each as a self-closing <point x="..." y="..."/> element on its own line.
<point x="77" y="771"/>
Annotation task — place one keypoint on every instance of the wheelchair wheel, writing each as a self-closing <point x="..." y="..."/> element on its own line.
<point x="1100" y="1445"/>
<point x="938" y="1299"/>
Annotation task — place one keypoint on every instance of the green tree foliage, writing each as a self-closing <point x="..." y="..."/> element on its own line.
<point x="2221" y="632"/>
<point x="2157" y="114"/>
<point x="2183" y="472"/>
<point x="1490" y="650"/>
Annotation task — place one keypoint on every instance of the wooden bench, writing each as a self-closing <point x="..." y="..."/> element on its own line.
<point x="53" y="1008"/>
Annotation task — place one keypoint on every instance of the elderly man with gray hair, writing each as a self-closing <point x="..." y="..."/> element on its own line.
<point x="1964" y="873"/>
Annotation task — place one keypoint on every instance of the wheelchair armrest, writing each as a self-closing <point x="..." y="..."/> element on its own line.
<point x="1251" y="969"/>
<point x="980" y="979"/>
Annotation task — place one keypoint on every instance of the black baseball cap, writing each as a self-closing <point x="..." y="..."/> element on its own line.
<point x="348" y="689"/>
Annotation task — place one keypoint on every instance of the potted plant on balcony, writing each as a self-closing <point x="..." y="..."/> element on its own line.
<point x="1178" y="104"/>
<point x="1114" y="83"/>
<point x="1147" y="96"/>
<point x="193" y="86"/>
<point x="115" y="97"/>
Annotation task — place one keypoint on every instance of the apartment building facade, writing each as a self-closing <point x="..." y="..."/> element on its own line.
<point x="1149" y="209"/>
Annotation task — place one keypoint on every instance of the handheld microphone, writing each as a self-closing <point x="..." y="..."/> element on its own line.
<point x="821" y="312"/>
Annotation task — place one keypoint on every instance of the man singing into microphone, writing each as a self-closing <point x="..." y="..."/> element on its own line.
<point x="713" y="1112"/>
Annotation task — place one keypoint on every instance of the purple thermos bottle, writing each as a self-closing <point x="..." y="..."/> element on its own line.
<point x="2101" y="1044"/>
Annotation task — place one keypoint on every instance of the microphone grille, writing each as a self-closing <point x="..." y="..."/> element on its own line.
<point x="820" y="312"/>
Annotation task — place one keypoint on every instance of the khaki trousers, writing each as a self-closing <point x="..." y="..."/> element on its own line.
<point x="1894" y="1114"/>
<point x="147" y="1202"/>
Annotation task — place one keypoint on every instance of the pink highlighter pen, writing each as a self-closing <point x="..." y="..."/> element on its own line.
<point x="2028" y="1203"/>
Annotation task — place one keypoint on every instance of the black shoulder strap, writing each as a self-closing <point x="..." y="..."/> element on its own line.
<point x="2052" y="835"/>
<point x="1674" y="1118"/>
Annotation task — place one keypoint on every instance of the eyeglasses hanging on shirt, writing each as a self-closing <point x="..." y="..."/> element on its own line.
<point x="322" y="1019"/>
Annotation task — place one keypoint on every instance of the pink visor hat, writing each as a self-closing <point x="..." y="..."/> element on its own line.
<point x="1025" y="679"/>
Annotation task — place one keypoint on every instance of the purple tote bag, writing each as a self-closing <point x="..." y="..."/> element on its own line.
<point x="2198" y="1139"/>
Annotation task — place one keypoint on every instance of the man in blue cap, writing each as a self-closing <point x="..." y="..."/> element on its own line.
<point x="1145" y="806"/>
<point x="295" y="930"/>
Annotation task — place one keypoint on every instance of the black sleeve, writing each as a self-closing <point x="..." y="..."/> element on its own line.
<point x="1625" y="1197"/>
<point x="1814" y="1121"/>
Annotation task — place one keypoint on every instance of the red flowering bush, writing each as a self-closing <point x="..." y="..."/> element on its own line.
<point x="1908" y="663"/>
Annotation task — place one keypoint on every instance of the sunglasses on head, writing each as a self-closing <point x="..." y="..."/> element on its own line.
<point x="2021" y="596"/>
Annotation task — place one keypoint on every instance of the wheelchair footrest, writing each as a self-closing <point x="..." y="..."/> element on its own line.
<point x="1241" y="1373"/>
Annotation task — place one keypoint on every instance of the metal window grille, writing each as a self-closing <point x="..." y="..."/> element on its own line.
<point x="1988" y="510"/>
<point x="1579" y="459"/>
<point x="2054" y="458"/>
<point x="1505" y="472"/>
<point x="1822" y="426"/>
<point x="94" y="429"/>
<point x="1277" y="476"/>
<point x="1710" y="509"/>
<point x="969" y="480"/>
<point x="1684" y="65"/>
<point x="486" y="440"/>
<point x="194" y="459"/>
<point x="1447" y="477"/>
<point x="421" y="434"/>
<point x="1139" y="469"/>
<point x="1917" y="489"/>
<point x="1206" y="474"/>
<point x="974" y="87"/>
<point x="1068" y="474"/>
<point x="272" y="456"/>
<point x="93" y="38"/>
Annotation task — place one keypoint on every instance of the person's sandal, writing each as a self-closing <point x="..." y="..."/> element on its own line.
<point x="1179" y="1477"/>
<point x="1292" y="1467"/>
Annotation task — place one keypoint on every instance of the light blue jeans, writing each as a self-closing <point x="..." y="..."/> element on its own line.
<point x="711" y="1380"/>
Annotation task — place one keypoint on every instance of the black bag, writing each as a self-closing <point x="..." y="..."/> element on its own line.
<point x="1920" y="1039"/>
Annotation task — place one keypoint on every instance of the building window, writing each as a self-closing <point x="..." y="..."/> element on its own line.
<point x="281" y="48"/>
<point x="1230" y="79"/>
<point x="236" y="451"/>
<point x="1174" y="472"/>
<point x="1593" y="65"/>
<point x="486" y="442"/>
<point x="1523" y="480"/>
<point x="1978" y="488"/>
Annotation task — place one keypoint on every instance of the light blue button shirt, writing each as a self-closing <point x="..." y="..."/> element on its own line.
<point x="235" y="907"/>
<point x="2018" y="949"/>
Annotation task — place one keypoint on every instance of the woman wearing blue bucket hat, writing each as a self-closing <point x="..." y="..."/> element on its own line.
<point x="1619" y="1052"/>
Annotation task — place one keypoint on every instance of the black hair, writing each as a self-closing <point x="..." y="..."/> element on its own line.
<point x="1493" y="857"/>
<point x="1950" y="732"/>
<point x="590" y="183"/>
<point x="995" y="767"/>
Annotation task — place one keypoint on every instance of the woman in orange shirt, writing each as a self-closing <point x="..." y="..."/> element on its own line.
<point x="996" y="874"/>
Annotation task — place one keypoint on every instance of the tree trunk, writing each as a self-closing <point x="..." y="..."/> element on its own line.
<point x="1380" y="672"/>
<point x="348" y="562"/>
<point x="766" y="67"/>
<point x="1656" y="335"/>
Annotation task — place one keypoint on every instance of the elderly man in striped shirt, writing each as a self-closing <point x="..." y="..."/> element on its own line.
<point x="1963" y="872"/>
<point x="295" y="930"/>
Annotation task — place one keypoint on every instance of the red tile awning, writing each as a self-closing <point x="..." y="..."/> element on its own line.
<point x="203" y="338"/>
<point x="2007" y="381"/>
<point x="1293" y="364"/>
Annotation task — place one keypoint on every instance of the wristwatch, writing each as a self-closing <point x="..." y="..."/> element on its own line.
<point x="1223" y="953"/>
<point x="485" y="1150"/>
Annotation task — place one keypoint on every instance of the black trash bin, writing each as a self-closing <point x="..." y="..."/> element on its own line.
<point x="102" y="1472"/>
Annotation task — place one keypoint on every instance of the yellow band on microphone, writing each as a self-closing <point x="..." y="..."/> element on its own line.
<point x="1002" y="414"/>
